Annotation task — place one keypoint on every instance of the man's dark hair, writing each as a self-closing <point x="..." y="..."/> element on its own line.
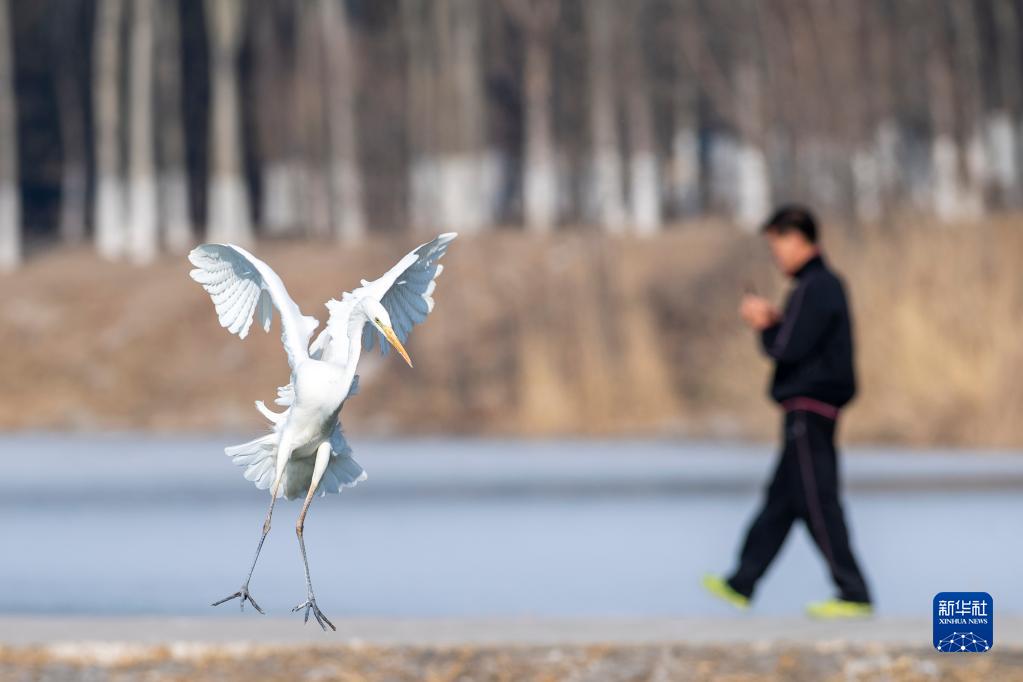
<point x="793" y="217"/>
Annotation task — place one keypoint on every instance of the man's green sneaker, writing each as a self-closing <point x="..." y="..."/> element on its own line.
<point x="837" y="609"/>
<point x="718" y="587"/>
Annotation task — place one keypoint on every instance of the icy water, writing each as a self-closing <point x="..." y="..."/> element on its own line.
<point x="145" y="525"/>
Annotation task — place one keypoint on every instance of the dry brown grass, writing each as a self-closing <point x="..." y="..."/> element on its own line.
<point x="571" y="335"/>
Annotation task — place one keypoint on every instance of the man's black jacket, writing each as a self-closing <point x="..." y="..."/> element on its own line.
<point x="812" y="346"/>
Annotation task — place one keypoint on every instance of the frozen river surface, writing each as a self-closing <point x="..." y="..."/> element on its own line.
<point x="481" y="528"/>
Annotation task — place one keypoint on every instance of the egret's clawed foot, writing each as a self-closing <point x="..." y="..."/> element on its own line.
<point x="242" y="594"/>
<point x="310" y="605"/>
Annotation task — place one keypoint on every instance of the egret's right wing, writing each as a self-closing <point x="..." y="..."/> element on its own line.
<point x="239" y="283"/>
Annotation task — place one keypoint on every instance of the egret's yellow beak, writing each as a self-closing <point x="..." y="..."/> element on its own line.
<point x="393" y="338"/>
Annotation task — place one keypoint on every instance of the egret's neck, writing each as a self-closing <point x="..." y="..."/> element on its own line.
<point x="345" y="346"/>
<point x="355" y="325"/>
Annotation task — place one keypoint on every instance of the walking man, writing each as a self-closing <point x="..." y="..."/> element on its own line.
<point x="812" y="348"/>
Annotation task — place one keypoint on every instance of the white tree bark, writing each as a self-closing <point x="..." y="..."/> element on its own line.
<point x="109" y="227"/>
<point x="1001" y="143"/>
<point x="143" y="236"/>
<point x="279" y="114"/>
<point x="347" y="213"/>
<point x="311" y="167"/>
<point x="644" y="175"/>
<point x="866" y="170"/>
<point x="228" y="219"/>
<point x="175" y="222"/>
<point x="10" y="210"/>
<point x="421" y="91"/>
<point x="537" y="20"/>
<point x="540" y="181"/>
<point x="71" y="114"/>
<point x="606" y="195"/>
<point x="753" y="192"/>
<point x="281" y="195"/>
<point x="466" y="197"/>
<point x="685" y="163"/>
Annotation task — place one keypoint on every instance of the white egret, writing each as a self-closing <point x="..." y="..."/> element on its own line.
<point x="306" y="451"/>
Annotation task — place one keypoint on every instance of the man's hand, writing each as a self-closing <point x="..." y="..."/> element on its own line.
<point x="758" y="312"/>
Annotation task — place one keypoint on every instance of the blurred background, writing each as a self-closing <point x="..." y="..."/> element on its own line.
<point x="604" y="161"/>
<point x="586" y="409"/>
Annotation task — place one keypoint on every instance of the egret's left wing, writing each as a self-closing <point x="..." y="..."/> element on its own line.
<point x="406" y="290"/>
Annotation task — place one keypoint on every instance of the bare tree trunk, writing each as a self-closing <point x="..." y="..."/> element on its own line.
<point x="279" y="113"/>
<point x="347" y="213"/>
<point x="951" y="195"/>
<point x="228" y="219"/>
<point x="70" y="75"/>
<point x="10" y="210"/>
<point x="605" y="192"/>
<point x="172" y="195"/>
<point x="753" y="193"/>
<point x="311" y="110"/>
<point x="685" y="186"/>
<point x="465" y="199"/>
<point x="109" y="224"/>
<point x="421" y="204"/>
<point x="1004" y="126"/>
<point x="540" y="177"/>
<point x="143" y="237"/>
<point x="969" y="100"/>
<point x="644" y="175"/>
<point x="537" y="20"/>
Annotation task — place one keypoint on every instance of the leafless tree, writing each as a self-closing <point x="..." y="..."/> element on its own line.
<point x="417" y="113"/>
<point x="143" y="235"/>
<point x="606" y="191"/>
<point x="451" y="169"/>
<point x="286" y="53"/>
<point x="955" y="196"/>
<point x="686" y="181"/>
<point x="228" y="218"/>
<point x="644" y="174"/>
<point x="311" y="155"/>
<point x="110" y="209"/>
<point x="344" y="176"/>
<point x="174" y="217"/>
<point x="537" y="19"/>
<point x="10" y="213"/>
<point x="1005" y="148"/>
<point x="71" y="82"/>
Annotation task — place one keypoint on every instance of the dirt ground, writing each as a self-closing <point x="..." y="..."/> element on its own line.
<point x="734" y="663"/>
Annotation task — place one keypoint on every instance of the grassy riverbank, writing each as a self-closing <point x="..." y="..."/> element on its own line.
<point x="570" y="335"/>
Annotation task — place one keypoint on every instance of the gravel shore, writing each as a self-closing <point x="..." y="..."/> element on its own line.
<point x="572" y="662"/>
<point x="747" y="650"/>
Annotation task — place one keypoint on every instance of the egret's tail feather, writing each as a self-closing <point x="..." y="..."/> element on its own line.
<point x="342" y="472"/>
<point x="259" y="457"/>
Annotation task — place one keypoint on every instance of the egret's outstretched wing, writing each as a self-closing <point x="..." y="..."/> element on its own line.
<point x="239" y="283"/>
<point x="406" y="290"/>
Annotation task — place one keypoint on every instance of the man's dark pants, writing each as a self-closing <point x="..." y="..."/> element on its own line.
<point x="805" y="486"/>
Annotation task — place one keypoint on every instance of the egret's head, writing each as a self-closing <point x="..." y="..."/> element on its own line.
<point x="377" y="316"/>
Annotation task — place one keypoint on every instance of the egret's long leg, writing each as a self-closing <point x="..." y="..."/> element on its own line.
<point x="243" y="592"/>
<point x="322" y="458"/>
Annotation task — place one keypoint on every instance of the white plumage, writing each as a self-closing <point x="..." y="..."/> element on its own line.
<point x="305" y="451"/>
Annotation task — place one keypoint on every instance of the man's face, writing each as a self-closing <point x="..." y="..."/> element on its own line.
<point x="790" y="249"/>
